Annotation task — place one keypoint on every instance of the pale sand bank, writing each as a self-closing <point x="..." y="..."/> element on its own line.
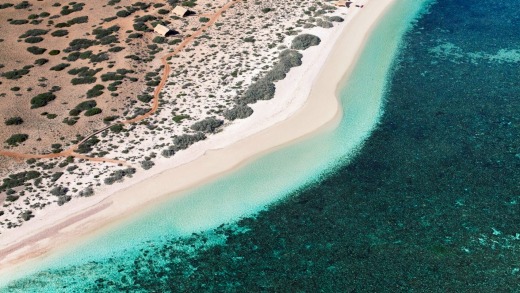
<point x="310" y="91"/>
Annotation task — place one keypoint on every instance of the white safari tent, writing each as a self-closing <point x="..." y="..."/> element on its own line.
<point x="179" y="11"/>
<point x="161" y="30"/>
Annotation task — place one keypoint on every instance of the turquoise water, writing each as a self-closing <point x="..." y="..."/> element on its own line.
<point x="428" y="203"/>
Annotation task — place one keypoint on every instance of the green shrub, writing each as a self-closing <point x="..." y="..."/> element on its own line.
<point x="74" y="112"/>
<point x="238" y="112"/>
<point x="5" y="5"/>
<point x="100" y="32"/>
<point x="41" y="61"/>
<point x="18" y="179"/>
<point x="79" y="44"/>
<point x="189" y="3"/>
<point x="16" y="139"/>
<point x="86" y="105"/>
<point x="179" y="118"/>
<point x="159" y="40"/>
<point x="34" y="33"/>
<point x="304" y="41"/>
<point x="95" y="58"/>
<point x="18" y="21"/>
<point x="184" y="141"/>
<point x="208" y="125"/>
<point x="204" y="19"/>
<point x="145" y="98"/>
<point x="96" y="91"/>
<point x="70" y="121"/>
<point x="15" y="74"/>
<point x="264" y="88"/>
<point x="78" y="20"/>
<point x="54" y="52"/>
<point x="14" y="121"/>
<point x="135" y="35"/>
<point x="42" y="100"/>
<point x="93" y="111"/>
<point x="117" y="128"/>
<point x="336" y="19"/>
<point x="73" y="56"/>
<point x="60" y="67"/>
<point x="86" y="146"/>
<point x="36" y="50"/>
<point x="22" y="5"/>
<point x="266" y="10"/>
<point x="33" y="40"/>
<point x="83" y="80"/>
<point x="116" y="49"/>
<point x="66" y="10"/>
<point x="110" y="119"/>
<point x="59" y="33"/>
<point x="123" y="13"/>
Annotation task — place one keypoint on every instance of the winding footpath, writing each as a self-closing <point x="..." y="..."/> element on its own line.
<point x="71" y="151"/>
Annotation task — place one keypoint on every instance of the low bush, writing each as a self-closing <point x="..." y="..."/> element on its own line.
<point x="238" y="112"/>
<point x="22" y="5"/>
<point x="116" y="49"/>
<point x="336" y="18"/>
<point x="16" y="139"/>
<point x="60" y="33"/>
<point x="79" y="44"/>
<point x="86" y="105"/>
<point x="123" y="13"/>
<point x="41" y="61"/>
<point x="208" y="125"/>
<point x="42" y="100"/>
<point x="33" y="40"/>
<point x="87" y="146"/>
<point x="184" y="141"/>
<point x="117" y="128"/>
<point x="54" y="52"/>
<point x="146" y="165"/>
<point x="66" y="10"/>
<point x="59" y="191"/>
<point x="93" y="111"/>
<point x="18" y="21"/>
<point x="18" y="179"/>
<point x="15" y="74"/>
<point x="158" y="40"/>
<point x="14" y="121"/>
<point x="145" y="98"/>
<point x="96" y="91"/>
<point x="36" y="50"/>
<point x="170" y="151"/>
<point x="305" y="41"/>
<point x="88" y="191"/>
<point x="83" y="80"/>
<point x="60" y="66"/>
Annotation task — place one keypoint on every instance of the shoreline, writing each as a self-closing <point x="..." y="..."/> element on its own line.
<point x="215" y="159"/>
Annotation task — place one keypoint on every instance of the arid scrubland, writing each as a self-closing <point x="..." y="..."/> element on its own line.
<point x="71" y="69"/>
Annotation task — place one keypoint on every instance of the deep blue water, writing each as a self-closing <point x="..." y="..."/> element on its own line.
<point x="430" y="204"/>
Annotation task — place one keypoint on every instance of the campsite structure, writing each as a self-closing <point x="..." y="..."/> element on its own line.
<point x="161" y="30"/>
<point x="179" y="11"/>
